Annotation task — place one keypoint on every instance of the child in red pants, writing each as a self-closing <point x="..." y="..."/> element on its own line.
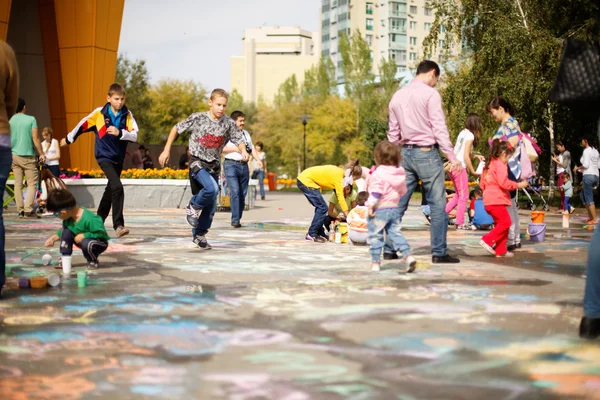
<point x="496" y="197"/>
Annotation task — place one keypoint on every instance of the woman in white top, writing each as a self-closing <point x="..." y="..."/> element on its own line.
<point x="465" y="141"/>
<point x="589" y="167"/>
<point x="51" y="151"/>
<point x="259" y="173"/>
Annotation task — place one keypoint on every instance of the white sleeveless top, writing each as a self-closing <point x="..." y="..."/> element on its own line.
<point x="51" y="151"/>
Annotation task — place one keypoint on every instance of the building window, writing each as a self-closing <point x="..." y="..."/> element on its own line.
<point x="441" y="43"/>
<point x="401" y="68"/>
<point x="412" y="56"/>
<point x="413" y="41"/>
<point x="325" y="38"/>
<point x="442" y="28"/>
<point x="398" y="24"/>
<point x="427" y="26"/>
<point x="427" y="11"/>
<point x="369" y="8"/>
<point x="369" y="39"/>
<point x="413" y="10"/>
<point x="370" y="24"/>
<point x="413" y="25"/>
<point x="402" y="54"/>
<point x="342" y="2"/>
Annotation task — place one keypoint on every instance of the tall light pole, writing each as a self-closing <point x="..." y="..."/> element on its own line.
<point x="304" y="119"/>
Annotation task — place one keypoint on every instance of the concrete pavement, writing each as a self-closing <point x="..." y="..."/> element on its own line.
<point x="280" y="318"/>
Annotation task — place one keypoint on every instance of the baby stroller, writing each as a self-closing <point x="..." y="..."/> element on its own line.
<point x="535" y="189"/>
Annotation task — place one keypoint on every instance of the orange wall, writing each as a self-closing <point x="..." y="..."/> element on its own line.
<point x="4" y="16"/>
<point x="88" y="40"/>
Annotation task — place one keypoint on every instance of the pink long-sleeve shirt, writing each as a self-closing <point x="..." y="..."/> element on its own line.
<point x="386" y="186"/>
<point x="417" y="117"/>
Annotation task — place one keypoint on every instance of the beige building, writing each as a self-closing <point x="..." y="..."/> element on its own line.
<point x="271" y="54"/>
<point x="393" y="29"/>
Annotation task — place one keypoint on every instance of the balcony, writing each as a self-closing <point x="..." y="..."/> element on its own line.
<point x="398" y="29"/>
<point x="398" y="45"/>
<point x="397" y="14"/>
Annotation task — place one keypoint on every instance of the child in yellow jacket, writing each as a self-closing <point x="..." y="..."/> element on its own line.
<point x="312" y="180"/>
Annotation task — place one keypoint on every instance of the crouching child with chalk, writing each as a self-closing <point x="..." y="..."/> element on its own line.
<point x="81" y="228"/>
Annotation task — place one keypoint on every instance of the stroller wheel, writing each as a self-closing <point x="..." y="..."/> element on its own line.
<point x="546" y="207"/>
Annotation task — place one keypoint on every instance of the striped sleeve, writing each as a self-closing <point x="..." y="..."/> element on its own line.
<point x="130" y="132"/>
<point x="87" y="124"/>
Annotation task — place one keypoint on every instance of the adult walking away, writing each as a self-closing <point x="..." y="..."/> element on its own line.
<point x="9" y="90"/>
<point x="417" y="122"/>
<point x="563" y="166"/>
<point x="260" y="173"/>
<point x="25" y="141"/>
<point x="502" y="111"/>
<point x="465" y="141"/>
<point x="51" y="151"/>
<point x="236" y="170"/>
<point x="589" y="168"/>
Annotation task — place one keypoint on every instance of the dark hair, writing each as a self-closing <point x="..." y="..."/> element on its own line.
<point x="498" y="102"/>
<point x="141" y="147"/>
<point x="355" y="167"/>
<point x="116" y="88"/>
<point x="473" y="124"/>
<point x="237" y="114"/>
<point x="387" y="153"/>
<point x="498" y="147"/>
<point x="471" y="194"/>
<point x="20" y="105"/>
<point x="478" y="192"/>
<point x="559" y="143"/>
<point x="52" y="182"/>
<point x="361" y="198"/>
<point x="262" y="146"/>
<point x="426" y="66"/>
<point x="60" y="199"/>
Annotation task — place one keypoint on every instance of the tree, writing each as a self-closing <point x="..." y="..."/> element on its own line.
<point x="172" y="101"/>
<point x="134" y="77"/>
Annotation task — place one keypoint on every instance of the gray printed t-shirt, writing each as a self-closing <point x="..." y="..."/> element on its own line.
<point x="208" y="137"/>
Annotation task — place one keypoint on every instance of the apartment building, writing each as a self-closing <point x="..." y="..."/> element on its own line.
<point x="270" y="55"/>
<point x="393" y="29"/>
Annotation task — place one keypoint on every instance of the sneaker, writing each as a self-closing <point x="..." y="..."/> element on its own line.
<point x="236" y="224"/>
<point x="507" y="254"/>
<point x="463" y="227"/>
<point x="31" y="215"/>
<point x="262" y="197"/>
<point x="589" y="328"/>
<point x="201" y="242"/>
<point x="390" y="256"/>
<point x="487" y="247"/>
<point x="325" y="238"/>
<point x="427" y="219"/>
<point x="121" y="231"/>
<point x="192" y="214"/>
<point x="376" y="266"/>
<point x="571" y="209"/>
<point x="452" y="221"/>
<point x="22" y="214"/>
<point x="317" y="239"/>
<point x="411" y="264"/>
<point x="514" y="247"/>
<point x="93" y="265"/>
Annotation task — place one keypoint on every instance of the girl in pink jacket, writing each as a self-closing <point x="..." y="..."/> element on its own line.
<point x="496" y="197"/>
<point x="385" y="186"/>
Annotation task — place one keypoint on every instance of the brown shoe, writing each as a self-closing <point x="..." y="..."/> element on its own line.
<point x="121" y="231"/>
<point x="32" y="215"/>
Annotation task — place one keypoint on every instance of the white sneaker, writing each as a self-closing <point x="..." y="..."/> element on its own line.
<point x="487" y="247"/>
<point x="411" y="264"/>
<point x="376" y="266"/>
<point x="507" y="254"/>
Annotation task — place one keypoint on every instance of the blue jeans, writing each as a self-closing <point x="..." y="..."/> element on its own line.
<point x="205" y="188"/>
<point x="315" y="198"/>
<point x="237" y="176"/>
<point x="55" y="169"/>
<point x="386" y="220"/>
<point x="260" y="175"/>
<point x="5" y="163"/>
<point x="591" y="299"/>
<point x="587" y="194"/>
<point x="426" y="166"/>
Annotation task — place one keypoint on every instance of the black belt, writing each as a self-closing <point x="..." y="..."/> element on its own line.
<point x="236" y="161"/>
<point x="417" y="146"/>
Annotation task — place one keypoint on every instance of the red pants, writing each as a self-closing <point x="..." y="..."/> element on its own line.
<point x="561" y="182"/>
<point x="499" y="235"/>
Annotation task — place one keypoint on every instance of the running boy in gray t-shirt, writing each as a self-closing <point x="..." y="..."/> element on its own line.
<point x="209" y="132"/>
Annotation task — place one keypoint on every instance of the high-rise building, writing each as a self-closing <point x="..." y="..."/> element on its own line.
<point x="393" y="29"/>
<point x="272" y="54"/>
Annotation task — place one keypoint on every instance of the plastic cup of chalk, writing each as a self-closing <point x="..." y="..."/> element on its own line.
<point x="81" y="278"/>
<point x="66" y="266"/>
<point x="46" y="259"/>
<point x="53" y="280"/>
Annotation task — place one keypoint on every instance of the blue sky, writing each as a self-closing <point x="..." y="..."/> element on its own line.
<point x="194" y="39"/>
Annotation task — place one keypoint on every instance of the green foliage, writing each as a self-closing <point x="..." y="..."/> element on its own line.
<point x="134" y="77"/>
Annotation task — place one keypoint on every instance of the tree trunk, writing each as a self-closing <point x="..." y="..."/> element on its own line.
<point x="551" y="132"/>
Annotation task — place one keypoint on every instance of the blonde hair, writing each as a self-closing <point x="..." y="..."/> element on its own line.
<point x="356" y="169"/>
<point x="48" y="130"/>
<point x="219" y="93"/>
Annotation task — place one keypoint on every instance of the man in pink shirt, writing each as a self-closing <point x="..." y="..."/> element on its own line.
<point x="418" y="124"/>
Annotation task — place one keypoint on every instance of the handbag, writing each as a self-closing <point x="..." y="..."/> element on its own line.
<point x="578" y="77"/>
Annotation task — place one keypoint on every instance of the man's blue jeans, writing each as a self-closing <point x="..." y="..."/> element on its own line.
<point x="386" y="220"/>
<point x="315" y="198"/>
<point x="427" y="167"/>
<point x="237" y="176"/>
<point x="591" y="299"/>
<point x="5" y="163"/>
<point x="205" y="188"/>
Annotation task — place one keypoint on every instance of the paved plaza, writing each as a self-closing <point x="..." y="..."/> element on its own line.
<point x="279" y="318"/>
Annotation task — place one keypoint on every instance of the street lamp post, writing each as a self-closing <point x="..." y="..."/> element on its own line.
<point x="304" y="119"/>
